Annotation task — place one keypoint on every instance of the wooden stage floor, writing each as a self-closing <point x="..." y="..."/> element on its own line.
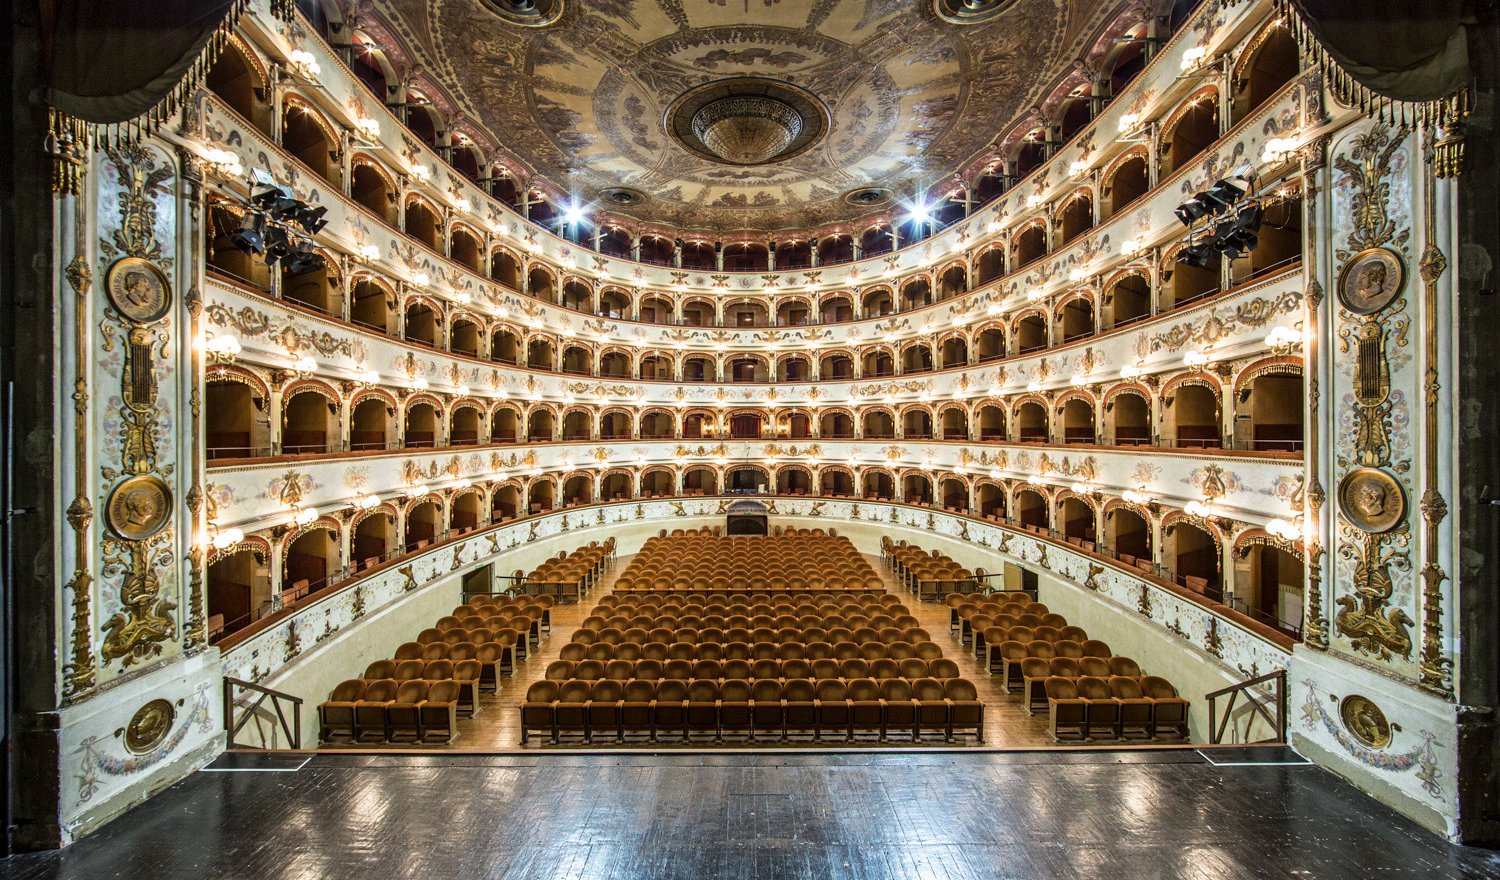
<point x="829" y="815"/>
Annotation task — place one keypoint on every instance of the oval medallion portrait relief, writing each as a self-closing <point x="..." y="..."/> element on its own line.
<point x="1372" y="500"/>
<point x="1371" y="280"/>
<point x="139" y="508"/>
<point x="138" y="290"/>
<point x="1365" y="721"/>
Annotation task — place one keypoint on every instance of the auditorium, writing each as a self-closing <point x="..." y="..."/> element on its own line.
<point x="750" y="438"/>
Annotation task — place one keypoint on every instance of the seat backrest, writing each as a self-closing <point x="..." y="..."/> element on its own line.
<point x="895" y="689"/>
<point x="830" y="689"/>
<point x="384" y="669"/>
<point x="600" y="651"/>
<point x="409" y="651"/>
<point x="575" y="691"/>
<point x="960" y="689"/>
<point x="639" y="691"/>
<point x="1035" y="667"/>
<point x="927" y="690"/>
<point x="1091" y="687"/>
<point x="863" y="690"/>
<point x="560" y="670"/>
<point x="943" y="668"/>
<point x="1157" y="688"/>
<point x="1096" y="648"/>
<point x="1124" y="666"/>
<point x="1093" y="666"/>
<point x="914" y="667"/>
<point x="1059" y="688"/>
<point x="1064" y="666"/>
<point x="544" y="691"/>
<point x="1039" y="648"/>
<point x="607" y="691"/>
<point x="589" y="670"/>
<point x="671" y="690"/>
<point x="619" y="670"/>
<point x="735" y="690"/>
<point x="348" y="691"/>
<point x="799" y="690"/>
<point x="1013" y="650"/>
<point x="412" y="691"/>
<point x="703" y="690"/>
<point x="1067" y="648"/>
<point x="765" y="690"/>
<point x="797" y="668"/>
<point x="438" y="669"/>
<point x="1125" y="688"/>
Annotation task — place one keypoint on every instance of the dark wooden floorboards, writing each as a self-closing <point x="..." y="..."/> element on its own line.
<point x="934" y="815"/>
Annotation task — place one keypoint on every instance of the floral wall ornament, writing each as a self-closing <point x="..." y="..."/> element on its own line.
<point x="1366" y="618"/>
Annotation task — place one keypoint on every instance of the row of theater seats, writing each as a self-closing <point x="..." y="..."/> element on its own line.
<point x="1038" y="654"/>
<point x="417" y="695"/>
<point x="826" y="667"/>
<point x="715" y="602"/>
<point x="753" y="710"/>
<point x="388" y="710"/>
<point x="1094" y="708"/>
<point x="764" y="650"/>
<point x="929" y="574"/>
<point x="792" y="633"/>
<point x="789" y="563"/>
<point x="568" y="577"/>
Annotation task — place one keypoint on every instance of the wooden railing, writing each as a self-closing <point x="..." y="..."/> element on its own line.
<point x="1269" y="708"/>
<point x="292" y="731"/>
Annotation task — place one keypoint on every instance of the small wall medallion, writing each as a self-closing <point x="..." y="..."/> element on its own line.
<point x="139" y="508"/>
<point x="1372" y="500"/>
<point x="149" y="726"/>
<point x="1371" y="280"/>
<point x="1365" y="721"/>
<point x="138" y="290"/>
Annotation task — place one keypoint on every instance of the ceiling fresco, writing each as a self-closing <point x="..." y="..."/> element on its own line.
<point x="907" y="94"/>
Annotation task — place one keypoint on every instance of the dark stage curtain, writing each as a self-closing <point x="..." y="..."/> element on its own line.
<point x="1412" y="51"/>
<point x="112" y="61"/>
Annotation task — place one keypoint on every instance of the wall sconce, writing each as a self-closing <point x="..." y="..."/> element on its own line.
<point x="1079" y="380"/>
<point x="421" y="172"/>
<point x="1078" y="274"/>
<point x="419" y="383"/>
<point x="223" y="539"/>
<point x="1277" y="149"/>
<point x="1130" y="371"/>
<point x="462" y="390"/>
<point x="368" y="378"/>
<point x="367" y="130"/>
<point x="1129" y="121"/>
<point x="1286" y="531"/>
<point x="223" y="163"/>
<point x="222" y="349"/>
<point x="1034" y="200"/>
<point x="1195" y="360"/>
<point x="1033" y="386"/>
<point x="1033" y="294"/>
<point x="421" y="279"/>
<point x="1130" y="247"/>
<point x="305" y="366"/>
<point x="370" y="253"/>
<point x="1284" y="340"/>
<point x="1194" y="57"/>
<point x="366" y="502"/>
<point x="463" y="204"/>
<point x="304" y="515"/>
<point x="1200" y="509"/>
<point x="304" y="64"/>
<point x="1078" y="167"/>
<point x="1134" y="497"/>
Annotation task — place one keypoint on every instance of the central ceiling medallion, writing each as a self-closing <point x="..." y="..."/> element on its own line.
<point x="747" y="121"/>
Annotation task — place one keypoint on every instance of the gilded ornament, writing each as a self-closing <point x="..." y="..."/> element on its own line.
<point x="139" y="508"/>
<point x="1372" y="500"/>
<point x="1371" y="280"/>
<point x="1365" y="721"/>
<point x="1366" y="618"/>
<point x="149" y="726"/>
<point x="138" y="290"/>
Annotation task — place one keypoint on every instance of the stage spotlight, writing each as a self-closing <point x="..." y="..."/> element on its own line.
<point x="1192" y="209"/>
<point x="310" y="218"/>
<point x="300" y="261"/>
<point x="1240" y="233"/>
<point x="1200" y="254"/>
<point x="250" y="237"/>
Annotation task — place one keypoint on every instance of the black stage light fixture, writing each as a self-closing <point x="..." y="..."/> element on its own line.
<point x="1240" y="233"/>
<point x="302" y="260"/>
<point x="1200" y="254"/>
<point x="1229" y="190"/>
<point x="310" y="218"/>
<point x="1191" y="210"/>
<point x="250" y="237"/>
<point x="278" y="245"/>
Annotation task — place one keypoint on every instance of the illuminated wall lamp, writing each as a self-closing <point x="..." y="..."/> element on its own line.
<point x="305" y="365"/>
<point x="1134" y="497"/>
<point x="1195" y="359"/>
<point x="304" y="64"/>
<point x="223" y="163"/>
<point x="1284" y="340"/>
<point x="366" y="502"/>
<point x="1198" y="509"/>
<point x="223" y="539"/>
<point x="222" y="349"/>
<point x="1286" y="531"/>
<point x="367" y="129"/>
<point x="304" y="515"/>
